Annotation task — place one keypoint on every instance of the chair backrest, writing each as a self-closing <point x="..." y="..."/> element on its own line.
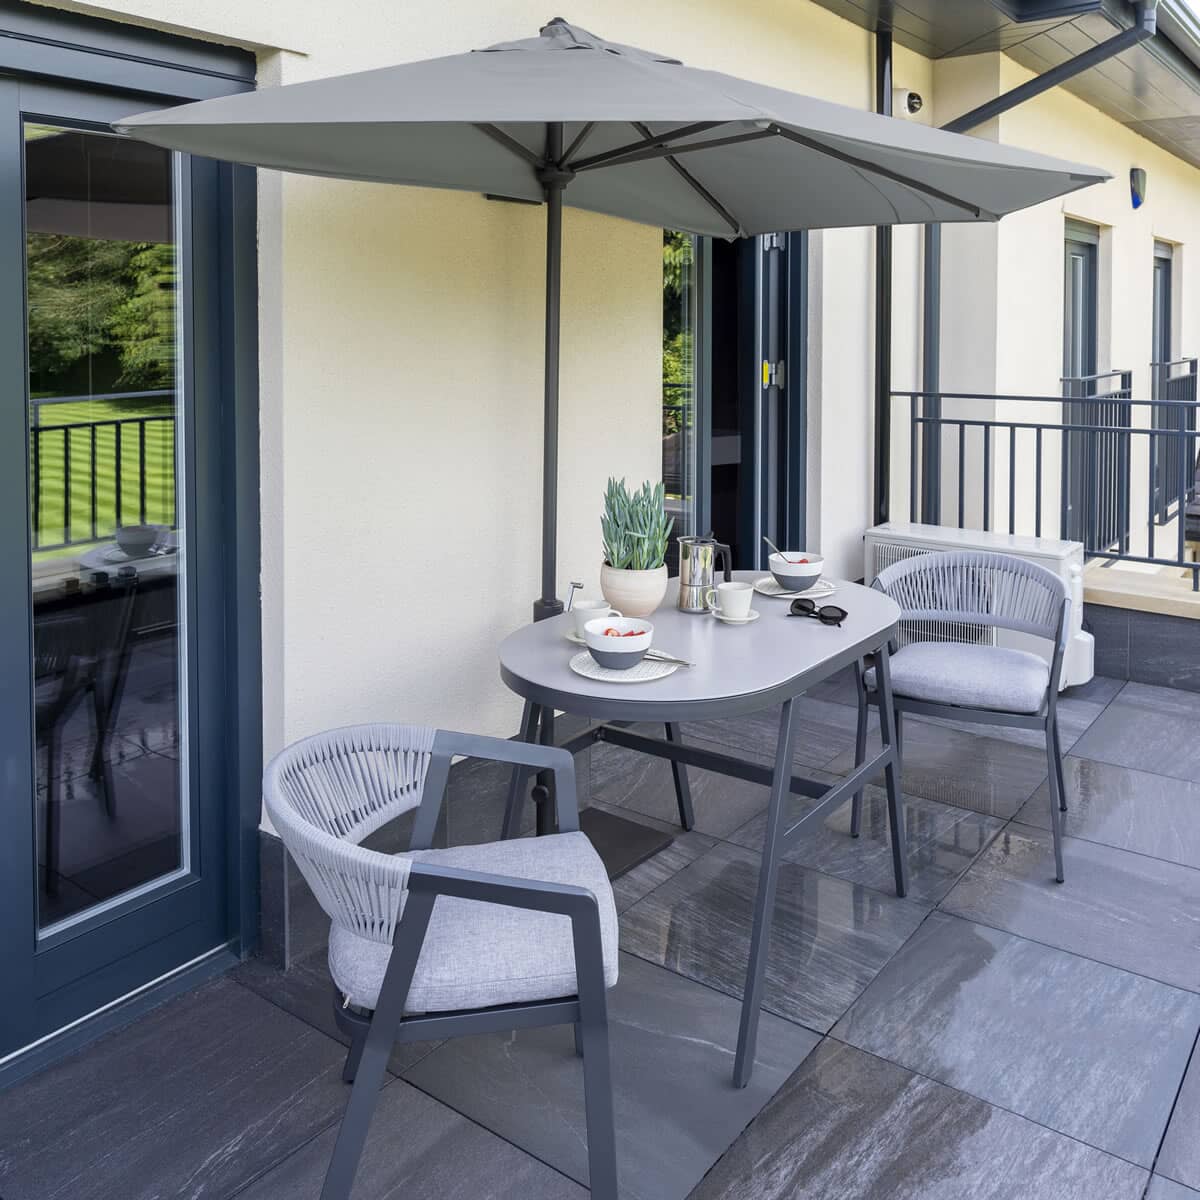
<point x="326" y="793"/>
<point x="977" y="588"/>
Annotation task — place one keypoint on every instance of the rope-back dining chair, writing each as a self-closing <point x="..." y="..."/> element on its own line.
<point x="965" y="681"/>
<point x="442" y="943"/>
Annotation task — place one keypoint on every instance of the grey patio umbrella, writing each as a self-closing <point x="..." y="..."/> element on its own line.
<point x="567" y="117"/>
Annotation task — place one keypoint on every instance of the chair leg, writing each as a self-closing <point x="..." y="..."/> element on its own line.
<point x="891" y="773"/>
<point x="515" y="805"/>
<point x="1055" y="815"/>
<point x="683" y="789"/>
<point x="1058" y="759"/>
<point x="372" y="1065"/>
<point x="354" y="1055"/>
<point x="578" y="1039"/>
<point x="591" y="1031"/>
<point x="860" y="747"/>
<point x="899" y="734"/>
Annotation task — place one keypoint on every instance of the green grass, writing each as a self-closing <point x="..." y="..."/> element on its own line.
<point x="52" y="506"/>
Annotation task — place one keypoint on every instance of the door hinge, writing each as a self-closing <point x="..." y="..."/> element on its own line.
<point x="772" y="373"/>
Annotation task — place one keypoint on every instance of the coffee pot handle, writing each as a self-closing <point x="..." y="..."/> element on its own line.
<point x="722" y="552"/>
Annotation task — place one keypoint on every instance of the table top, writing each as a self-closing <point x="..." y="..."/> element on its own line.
<point x="738" y="668"/>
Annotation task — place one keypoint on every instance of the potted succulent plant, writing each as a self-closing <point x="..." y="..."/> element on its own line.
<point x="635" y="528"/>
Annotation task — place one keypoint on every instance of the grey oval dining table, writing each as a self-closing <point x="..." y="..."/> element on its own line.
<point x="735" y="670"/>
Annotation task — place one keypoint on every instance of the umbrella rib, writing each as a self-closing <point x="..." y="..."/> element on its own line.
<point x="657" y="140"/>
<point x="699" y="189"/>
<point x="875" y="169"/>
<point x="667" y="151"/>
<point x="510" y="143"/>
<point x="581" y="137"/>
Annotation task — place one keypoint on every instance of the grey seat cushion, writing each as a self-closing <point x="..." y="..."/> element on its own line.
<point x="476" y="955"/>
<point x="990" y="677"/>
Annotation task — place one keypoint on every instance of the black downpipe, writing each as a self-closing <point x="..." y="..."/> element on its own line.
<point x="883" y="300"/>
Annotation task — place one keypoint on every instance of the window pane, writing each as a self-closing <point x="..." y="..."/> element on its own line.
<point x="105" y="528"/>
<point x="679" y="385"/>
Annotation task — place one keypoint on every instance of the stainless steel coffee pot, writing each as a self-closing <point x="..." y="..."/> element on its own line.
<point x="698" y="570"/>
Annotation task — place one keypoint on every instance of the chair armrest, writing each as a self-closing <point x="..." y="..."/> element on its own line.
<point x="567" y="899"/>
<point x="520" y="754"/>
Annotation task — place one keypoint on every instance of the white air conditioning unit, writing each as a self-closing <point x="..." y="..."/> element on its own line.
<point x="889" y="543"/>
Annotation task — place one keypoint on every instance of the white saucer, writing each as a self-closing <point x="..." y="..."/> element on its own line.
<point x="646" y="671"/>
<point x="572" y="636"/>
<point x="767" y="586"/>
<point x="749" y="619"/>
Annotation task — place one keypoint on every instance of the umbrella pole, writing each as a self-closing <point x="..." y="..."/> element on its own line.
<point x="554" y="180"/>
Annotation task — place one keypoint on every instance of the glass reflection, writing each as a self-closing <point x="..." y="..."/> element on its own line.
<point x="105" y="538"/>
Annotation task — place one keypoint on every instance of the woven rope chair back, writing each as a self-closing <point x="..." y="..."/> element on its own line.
<point x="326" y="793"/>
<point x="977" y="588"/>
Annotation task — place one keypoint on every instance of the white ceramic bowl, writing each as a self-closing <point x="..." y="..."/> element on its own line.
<point x="618" y="653"/>
<point x="137" y="540"/>
<point x="796" y="576"/>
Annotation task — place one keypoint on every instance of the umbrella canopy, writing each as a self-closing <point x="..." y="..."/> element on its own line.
<point x="567" y="117"/>
<point x="645" y="138"/>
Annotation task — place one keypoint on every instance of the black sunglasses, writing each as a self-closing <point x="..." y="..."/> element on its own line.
<point x="827" y="614"/>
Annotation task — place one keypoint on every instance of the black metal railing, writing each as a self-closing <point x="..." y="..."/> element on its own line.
<point x="1000" y="465"/>
<point x="1095" y="465"/>
<point x="90" y="477"/>
<point x="1174" y="381"/>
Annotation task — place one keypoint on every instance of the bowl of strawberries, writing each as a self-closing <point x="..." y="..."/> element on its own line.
<point x="618" y="642"/>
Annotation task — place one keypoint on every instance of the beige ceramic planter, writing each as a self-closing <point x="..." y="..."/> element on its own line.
<point x="633" y="593"/>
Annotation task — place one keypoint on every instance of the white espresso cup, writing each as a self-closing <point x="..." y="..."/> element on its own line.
<point x="588" y="610"/>
<point x="730" y="599"/>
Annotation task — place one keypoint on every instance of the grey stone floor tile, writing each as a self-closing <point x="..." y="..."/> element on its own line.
<point x="1100" y="689"/>
<point x="305" y="990"/>
<point x="850" y="1125"/>
<point x="942" y="840"/>
<point x="628" y="779"/>
<point x="1076" y="1045"/>
<point x="969" y="770"/>
<point x="672" y="1046"/>
<point x="824" y="728"/>
<point x="421" y="1150"/>
<point x="829" y="937"/>
<point x="1130" y="911"/>
<point x="194" y="1099"/>
<point x="1179" y="1158"/>
<point x="1129" y="809"/>
<point x="1150" y="729"/>
<point x="1167" y="1189"/>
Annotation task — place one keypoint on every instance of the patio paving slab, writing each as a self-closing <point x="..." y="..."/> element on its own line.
<point x="942" y="840"/>
<point x="306" y="991"/>
<point x="824" y="728"/>
<point x="969" y="770"/>
<point x="1179" y="1158"/>
<point x="1048" y="1035"/>
<point x="1124" y="909"/>
<point x="421" y="1150"/>
<point x="849" y="1124"/>
<point x="1167" y="1189"/>
<point x="1150" y="729"/>
<point x="1126" y="808"/>
<point x="829" y="938"/>
<point x="195" y="1099"/>
<point x="628" y="779"/>
<point x="672" y="1046"/>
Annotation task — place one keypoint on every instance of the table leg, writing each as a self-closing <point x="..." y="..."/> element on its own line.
<point x="683" y="789"/>
<point x="764" y="904"/>
<point x="860" y="745"/>
<point x="515" y="805"/>
<point x="891" y="774"/>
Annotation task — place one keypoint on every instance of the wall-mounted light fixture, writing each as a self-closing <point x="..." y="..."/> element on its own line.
<point x="1137" y="186"/>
